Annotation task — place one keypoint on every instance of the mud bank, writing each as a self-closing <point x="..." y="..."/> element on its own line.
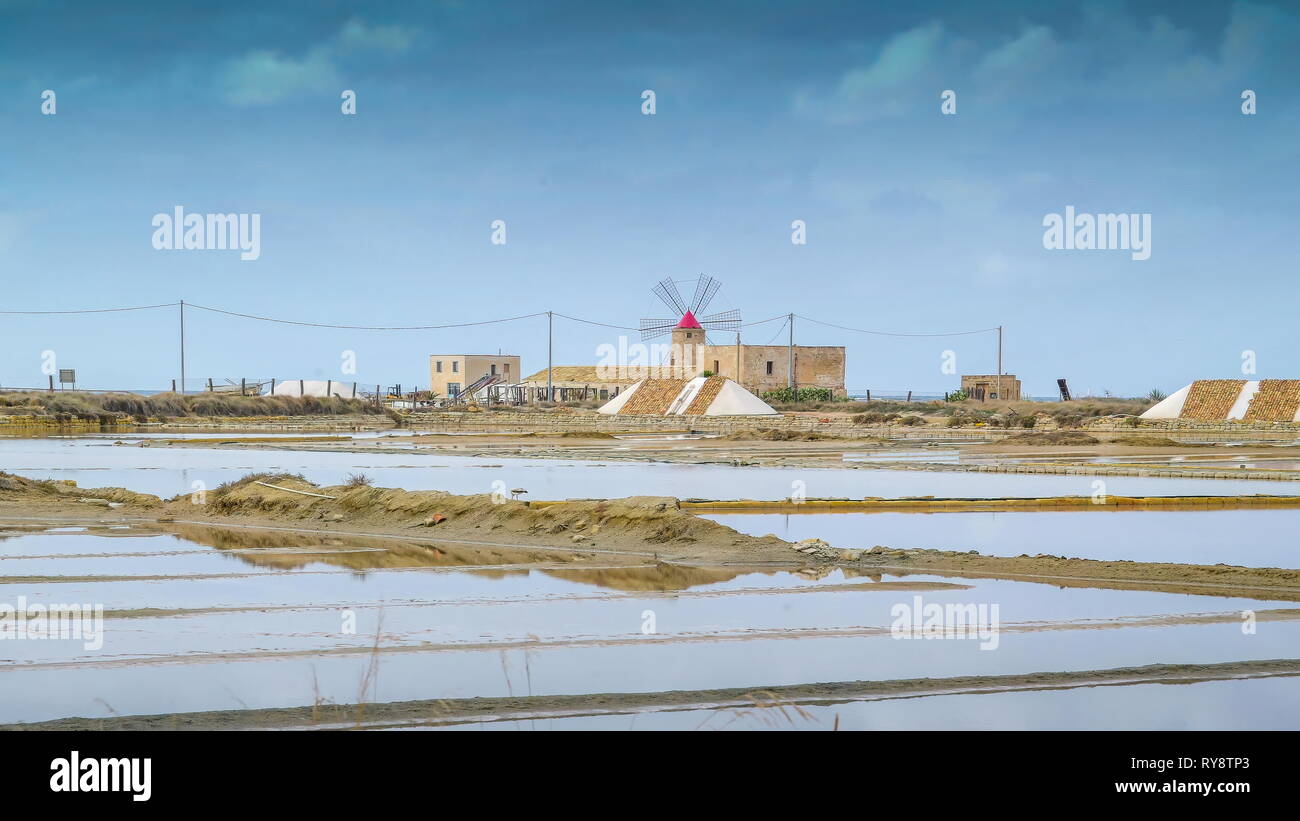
<point x="822" y="452"/>
<point x="631" y="530"/>
<point x="937" y="505"/>
<point x="433" y="712"/>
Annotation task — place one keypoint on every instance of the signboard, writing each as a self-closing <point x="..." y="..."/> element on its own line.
<point x="67" y="376"/>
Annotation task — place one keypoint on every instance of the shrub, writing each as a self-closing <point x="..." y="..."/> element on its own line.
<point x="798" y="395"/>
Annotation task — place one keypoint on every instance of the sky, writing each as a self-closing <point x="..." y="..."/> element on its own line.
<point x="916" y="221"/>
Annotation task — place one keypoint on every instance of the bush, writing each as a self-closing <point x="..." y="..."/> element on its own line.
<point x="798" y="395"/>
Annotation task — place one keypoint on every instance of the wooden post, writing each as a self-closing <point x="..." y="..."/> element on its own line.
<point x="273" y="387"/>
<point x="329" y="388"/>
<point x="868" y="394"/>
<point x="909" y="396"/>
<point x="209" y="384"/>
<point x="790" y="360"/>
<point x="243" y="386"/>
<point x="51" y="383"/>
<point x="1001" y="396"/>
<point x="173" y="386"/>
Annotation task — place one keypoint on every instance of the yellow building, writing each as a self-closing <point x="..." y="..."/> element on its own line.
<point x="449" y="374"/>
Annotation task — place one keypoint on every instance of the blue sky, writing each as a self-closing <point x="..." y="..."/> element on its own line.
<point x="528" y="112"/>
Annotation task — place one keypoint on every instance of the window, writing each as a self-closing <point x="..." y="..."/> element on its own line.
<point x="494" y="369"/>
<point x="439" y="366"/>
<point x="455" y="367"/>
<point x="769" y="367"/>
<point x="604" y="393"/>
<point x="453" y="389"/>
<point x="506" y="368"/>
<point x="716" y="369"/>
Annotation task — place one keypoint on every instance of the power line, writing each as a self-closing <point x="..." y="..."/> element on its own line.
<point x="887" y="333"/>
<point x="278" y="320"/>
<point x="601" y="324"/>
<point x="364" y="327"/>
<point x="97" y="310"/>
<point x="779" y="330"/>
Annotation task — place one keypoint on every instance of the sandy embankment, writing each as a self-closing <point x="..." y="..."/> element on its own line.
<point x="608" y="532"/>
<point x="434" y="712"/>
<point x="1196" y="461"/>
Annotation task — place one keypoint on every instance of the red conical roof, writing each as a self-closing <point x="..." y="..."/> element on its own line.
<point x="689" y="321"/>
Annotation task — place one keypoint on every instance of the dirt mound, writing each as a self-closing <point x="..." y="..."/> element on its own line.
<point x="19" y="489"/>
<point x="639" y="522"/>
<point x="1155" y="442"/>
<point x="1056" y="437"/>
<point x="775" y="435"/>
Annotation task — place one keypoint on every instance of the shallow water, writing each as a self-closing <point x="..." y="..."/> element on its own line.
<point x="450" y="628"/>
<point x="1252" y="704"/>
<point x="93" y="461"/>
<point x="1263" y="537"/>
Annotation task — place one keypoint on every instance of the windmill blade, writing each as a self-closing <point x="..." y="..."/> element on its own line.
<point x="705" y="289"/>
<point x="724" y="321"/>
<point x="667" y="291"/>
<point x="654" y="328"/>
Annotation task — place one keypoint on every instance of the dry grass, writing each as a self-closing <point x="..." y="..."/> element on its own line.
<point x="113" y="407"/>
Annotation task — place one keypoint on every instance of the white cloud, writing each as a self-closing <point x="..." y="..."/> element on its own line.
<point x="263" y="77"/>
<point x="1111" y="55"/>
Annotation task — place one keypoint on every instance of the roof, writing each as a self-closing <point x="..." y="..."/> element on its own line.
<point x="701" y="396"/>
<point x="689" y="321"/>
<point x="582" y="374"/>
<point x="1264" y="400"/>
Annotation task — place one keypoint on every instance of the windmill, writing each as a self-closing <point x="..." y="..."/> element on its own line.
<point x="690" y="315"/>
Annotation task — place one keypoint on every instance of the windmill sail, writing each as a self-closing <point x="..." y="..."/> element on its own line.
<point x="705" y="289"/>
<point x="653" y="328"/>
<point x="725" y="321"/>
<point x="691" y="315"/>
<point x="667" y="291"/>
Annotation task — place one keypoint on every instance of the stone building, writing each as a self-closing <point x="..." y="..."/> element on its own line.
<point x="983" y="386"/>
<point x="763" y="368"/>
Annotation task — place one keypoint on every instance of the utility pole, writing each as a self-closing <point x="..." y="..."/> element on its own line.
<point x="1001" y="396"/>
<point x="739" y="375"/>
<point x="789" y="355"/>
<point x="550" y="355"/>
<point x="182" y="347"/>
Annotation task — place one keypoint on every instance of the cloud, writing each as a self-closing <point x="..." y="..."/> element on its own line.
<point x="1108" y="55"/>
<point x="357" y="36"/>
<point x="263" y="77"/>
